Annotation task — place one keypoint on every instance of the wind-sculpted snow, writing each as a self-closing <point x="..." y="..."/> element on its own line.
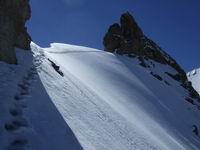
<point x="68" y="48"/>
<point x="110" y="102"/>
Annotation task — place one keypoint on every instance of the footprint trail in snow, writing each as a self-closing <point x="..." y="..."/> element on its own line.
<point x="18" y="125"/>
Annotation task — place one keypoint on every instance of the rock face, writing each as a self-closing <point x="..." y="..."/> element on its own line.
<point x="128" y="38"/>
<point x="124" y="38"/>
<point x="13" y="33"/>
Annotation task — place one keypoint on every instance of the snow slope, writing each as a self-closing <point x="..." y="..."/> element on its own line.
<point x="94" y="100"/>
<point x="28" y="118"/>
<point x="110" y="102"/>
<point x="194" y="77"/>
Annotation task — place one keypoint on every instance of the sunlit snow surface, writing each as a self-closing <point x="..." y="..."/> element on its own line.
<point x="110" y="102"/>
<point x="104" y="101"/>
<point x="194" y="77"/>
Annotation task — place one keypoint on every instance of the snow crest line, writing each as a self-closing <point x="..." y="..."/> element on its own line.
<point x="71" y="51"/>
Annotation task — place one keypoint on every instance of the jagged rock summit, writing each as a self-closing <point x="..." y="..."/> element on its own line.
<point x="127" y="38"/>
<point x="13" y="33"/>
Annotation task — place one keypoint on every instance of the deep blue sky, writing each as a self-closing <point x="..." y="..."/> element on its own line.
<point x="173" y="24"/>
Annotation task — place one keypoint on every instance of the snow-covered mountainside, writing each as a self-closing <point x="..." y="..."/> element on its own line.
<point x="81" y="98"/>
<point x="194" y="77"/>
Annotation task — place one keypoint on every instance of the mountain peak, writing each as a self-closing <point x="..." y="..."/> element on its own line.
<point x="126" y="38"/>
<point x="129" y="26"/>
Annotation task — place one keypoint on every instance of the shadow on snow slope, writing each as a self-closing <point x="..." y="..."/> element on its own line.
<point x="23" y="97"/>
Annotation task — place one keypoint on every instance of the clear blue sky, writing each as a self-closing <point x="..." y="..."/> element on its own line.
<point x="172" y="24"/>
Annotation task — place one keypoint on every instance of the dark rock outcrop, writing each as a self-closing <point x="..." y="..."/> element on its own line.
<point x="56" y="68"/>
<point x="13" y="33"/>
<point x="128" y="38"/>
<point x="124" y="38"/>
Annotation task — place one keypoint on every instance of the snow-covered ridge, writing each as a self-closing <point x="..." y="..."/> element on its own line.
<point x="64" y="48"/>
<point x="110" y="102"/>
<point x="81" y="97"/>
<point x="194" y="77"/>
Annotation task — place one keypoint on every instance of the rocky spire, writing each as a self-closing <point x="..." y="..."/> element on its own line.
<point x="126" y="37"/>
<point x="13" y="33"/>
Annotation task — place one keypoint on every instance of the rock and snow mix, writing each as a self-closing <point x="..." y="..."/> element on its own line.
<point x="194" y="77"/>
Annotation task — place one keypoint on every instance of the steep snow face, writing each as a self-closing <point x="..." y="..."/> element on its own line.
<point x="110" y="102"/>
<point x="194" y="77"/>
<point x="28" y="118"/>
<point x="76" y="97"/>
